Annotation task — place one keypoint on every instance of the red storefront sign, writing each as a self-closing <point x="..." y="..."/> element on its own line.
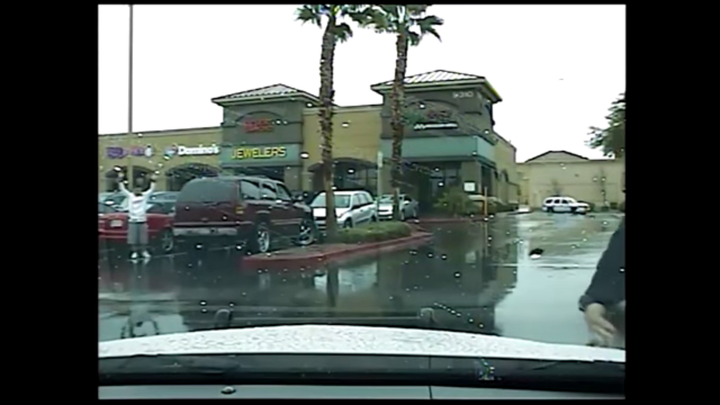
<point x="258" y="125"/>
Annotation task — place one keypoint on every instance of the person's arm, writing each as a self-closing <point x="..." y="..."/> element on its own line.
<point x="122" y="188"/>
<point x="150" y="189"/>
<point x="608" y="283"/>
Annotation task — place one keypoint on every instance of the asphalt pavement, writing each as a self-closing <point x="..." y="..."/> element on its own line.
<point x="478" y="278"/>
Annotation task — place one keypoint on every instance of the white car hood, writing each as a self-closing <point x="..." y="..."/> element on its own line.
<point x="331" y="339"/>
<point x="385" y="207"/>
<point x="321" y="212"/>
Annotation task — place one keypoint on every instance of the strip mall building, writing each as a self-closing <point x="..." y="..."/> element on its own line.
<point x="274" y="131"/>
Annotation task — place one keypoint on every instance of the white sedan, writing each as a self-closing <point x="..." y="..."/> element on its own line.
<point x="565" y="205"/>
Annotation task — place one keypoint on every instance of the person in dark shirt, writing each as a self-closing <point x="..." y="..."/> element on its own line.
<point x="603" y="303"/>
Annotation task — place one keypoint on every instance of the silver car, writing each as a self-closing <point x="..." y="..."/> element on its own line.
<point x="408" y="207"/>
<point x="351" y="208"/>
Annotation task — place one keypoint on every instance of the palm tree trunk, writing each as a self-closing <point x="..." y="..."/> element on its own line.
<point x="397" y="100"/>
<point x="326" y="114"/>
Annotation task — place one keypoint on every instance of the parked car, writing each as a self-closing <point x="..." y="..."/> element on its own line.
<point x="113" y="198"/>
<point x="351" y="208"/>
<point x="408" y="207"/>
<point x="562" y="204"/>
<point x="255" y="212"/>
<point x="113" y="226"/>
<point x="104" y="209"/>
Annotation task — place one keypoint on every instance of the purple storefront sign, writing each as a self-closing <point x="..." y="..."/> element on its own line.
<point x="117" y="152"/>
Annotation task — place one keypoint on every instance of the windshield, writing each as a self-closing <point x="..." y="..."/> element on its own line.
<point x="341" y="201"/>
<point x="491" y="133"/>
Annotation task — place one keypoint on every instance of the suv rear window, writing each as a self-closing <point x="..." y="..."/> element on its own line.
<point x="207" y="190"/>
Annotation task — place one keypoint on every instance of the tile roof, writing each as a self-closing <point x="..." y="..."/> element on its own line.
<point x="563" y="152"/>
<point x="435" y="76"/>
<point x="275" y="90"/>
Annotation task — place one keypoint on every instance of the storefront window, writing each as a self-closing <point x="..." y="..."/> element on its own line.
<point x="272" y="172"/>
<point x="352" y="177"/>
<point x="431" y="180"/>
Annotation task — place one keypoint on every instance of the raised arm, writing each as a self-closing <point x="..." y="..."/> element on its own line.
<point x="150" y="189"/>
<point x="121" y="185"/>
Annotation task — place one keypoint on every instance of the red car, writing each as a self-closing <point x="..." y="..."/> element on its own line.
<point x="112" y="226"/>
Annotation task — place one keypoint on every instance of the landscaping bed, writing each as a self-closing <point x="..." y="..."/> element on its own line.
<point x="352" y="243"/>
<point x="374" y="232"/>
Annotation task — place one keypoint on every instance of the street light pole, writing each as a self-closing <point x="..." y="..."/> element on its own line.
<point x="129" y="170"/>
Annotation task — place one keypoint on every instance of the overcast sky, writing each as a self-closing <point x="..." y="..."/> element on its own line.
<point x="557" y="68"/>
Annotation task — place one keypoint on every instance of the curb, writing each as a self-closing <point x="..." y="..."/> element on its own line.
<point x="449" y="220"/>
<point x="348" y="252"/>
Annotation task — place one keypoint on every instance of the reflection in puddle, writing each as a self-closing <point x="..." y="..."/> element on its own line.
<point x="353" y="279"/>
<point x="452" y="283"/>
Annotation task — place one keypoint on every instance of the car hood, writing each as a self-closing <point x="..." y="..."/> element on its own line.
<point x="321" y="212"/>
<point x="385" y="206"/>
<point x="333" y="339"/>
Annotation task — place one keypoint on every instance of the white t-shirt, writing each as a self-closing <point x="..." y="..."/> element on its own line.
<point x="137" y="205"/>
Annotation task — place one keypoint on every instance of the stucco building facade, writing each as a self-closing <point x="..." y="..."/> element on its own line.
<point x="597" y="181"/>
<point x="274" y="131"/>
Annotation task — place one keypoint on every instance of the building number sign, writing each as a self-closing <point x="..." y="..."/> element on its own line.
<point x="463" y="94"/>
<point x="258" y="125"/>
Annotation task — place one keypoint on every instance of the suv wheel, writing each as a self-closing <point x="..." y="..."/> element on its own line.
<point x="260" y="238"/>
<point x="166" y="241"/>
<point x="348" y="224"/>
<point x="307" y="232"/>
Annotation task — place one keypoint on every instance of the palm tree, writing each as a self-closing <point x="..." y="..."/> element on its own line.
<point x="409" y="23"/>
<point x="611" y="140"/>
<point x="329" y="17"/>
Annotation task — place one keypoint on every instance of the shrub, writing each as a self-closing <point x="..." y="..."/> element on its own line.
<point x="374" y="232"/>
<point x="456" y="202"/>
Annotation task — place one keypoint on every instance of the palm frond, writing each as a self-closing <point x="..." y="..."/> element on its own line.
<point x="309" y="13"/>
<point x="415" y="10"/>
<point x="391" y="10"/>
<point x="342" y="32"/>
<point x="427" y="25"/>
<point x="414" y="38"/>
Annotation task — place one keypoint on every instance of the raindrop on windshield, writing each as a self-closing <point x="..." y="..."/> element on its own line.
<point x="536" y="253"/>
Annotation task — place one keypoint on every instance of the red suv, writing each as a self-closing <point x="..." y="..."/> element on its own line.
<point x="254" y="212"/>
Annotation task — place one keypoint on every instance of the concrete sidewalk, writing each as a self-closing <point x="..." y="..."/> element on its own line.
<point x="136" y="297"/>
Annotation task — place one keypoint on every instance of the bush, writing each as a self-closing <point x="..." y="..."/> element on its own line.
<point x="496" y="206"/>
<point x="374" y="232"/>
<point x="456" y="202"/>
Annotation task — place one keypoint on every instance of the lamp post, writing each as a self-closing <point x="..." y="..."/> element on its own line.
<point x="129" y="170"/>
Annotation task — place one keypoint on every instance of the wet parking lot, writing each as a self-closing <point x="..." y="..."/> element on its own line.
<point x="478" y="278"/>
